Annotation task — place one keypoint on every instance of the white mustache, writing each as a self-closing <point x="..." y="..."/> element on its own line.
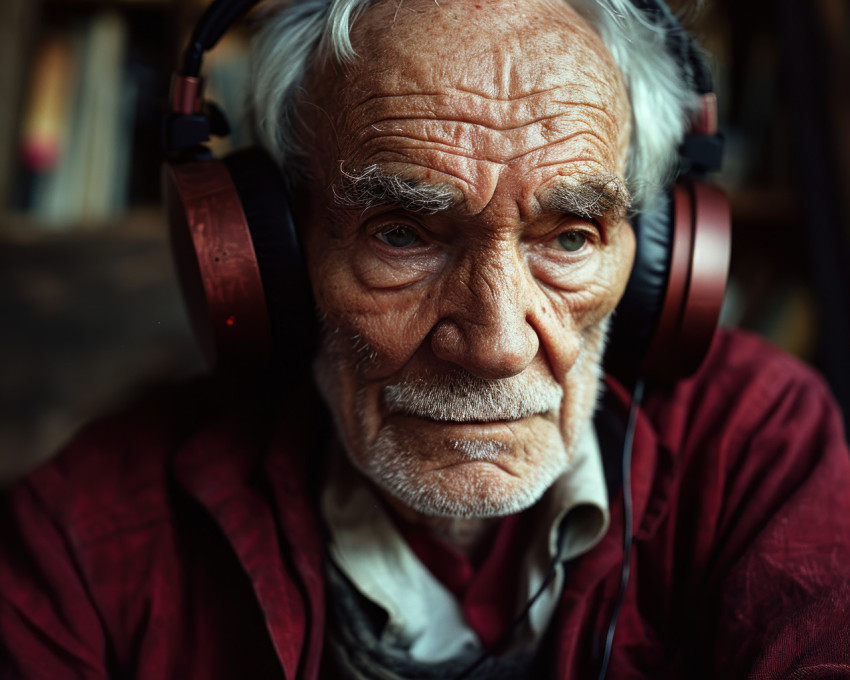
<point x="462" y="397"/>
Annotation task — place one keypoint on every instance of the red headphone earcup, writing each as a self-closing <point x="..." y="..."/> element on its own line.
<point x="216" y="262"/>
<point x="664" y="324"/>
<point x="699" y="271"/>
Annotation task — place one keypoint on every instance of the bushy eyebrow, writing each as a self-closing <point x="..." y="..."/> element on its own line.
<point x="372" y="187"/>
<point x="589" y="197"/>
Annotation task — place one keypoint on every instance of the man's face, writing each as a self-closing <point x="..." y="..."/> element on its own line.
<point x="466" y="243"/>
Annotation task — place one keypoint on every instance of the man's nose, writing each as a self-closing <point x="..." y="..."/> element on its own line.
<point x="486" y="324"/>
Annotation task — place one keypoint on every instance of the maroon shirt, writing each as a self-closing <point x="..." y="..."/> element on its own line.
<point x="180" y="539"/>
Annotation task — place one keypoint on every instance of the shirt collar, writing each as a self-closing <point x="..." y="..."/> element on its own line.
<point x="368" y="548"/>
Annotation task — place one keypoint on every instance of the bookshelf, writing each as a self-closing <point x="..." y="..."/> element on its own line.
<point x="81" y="104"/>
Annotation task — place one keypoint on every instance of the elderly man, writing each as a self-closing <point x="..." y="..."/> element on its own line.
<point x="463" y="176"/>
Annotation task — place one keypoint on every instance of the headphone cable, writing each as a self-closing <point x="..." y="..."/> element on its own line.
<point x="637" y="397"/>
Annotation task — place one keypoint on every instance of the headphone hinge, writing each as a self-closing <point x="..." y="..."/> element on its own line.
<point x="700" y="154"/>
<point x="702" y="148"/>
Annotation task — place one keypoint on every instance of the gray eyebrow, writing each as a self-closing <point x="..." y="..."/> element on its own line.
<point x="371" y="187"/>
<point x="594" y="196"/>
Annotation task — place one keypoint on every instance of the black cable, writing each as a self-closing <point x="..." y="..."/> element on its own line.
<point x="506" y="636"/>
<point x="628" y="440"/>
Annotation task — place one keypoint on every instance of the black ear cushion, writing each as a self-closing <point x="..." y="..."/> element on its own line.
<point x="636" y="317"/>
<point x="266" y="205"/>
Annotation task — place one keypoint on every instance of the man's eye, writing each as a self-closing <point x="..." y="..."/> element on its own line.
<point x="398" y="236"/>
<point x="572" y="241"/>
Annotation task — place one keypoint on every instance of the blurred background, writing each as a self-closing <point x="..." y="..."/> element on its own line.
<point x="89" y="307"/>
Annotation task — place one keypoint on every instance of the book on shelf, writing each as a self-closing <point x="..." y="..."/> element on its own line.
<point x="78" y="122"/>
<point x="89" y="135"/>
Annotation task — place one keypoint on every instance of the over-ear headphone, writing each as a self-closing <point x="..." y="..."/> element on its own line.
<point x="244" y="280"/>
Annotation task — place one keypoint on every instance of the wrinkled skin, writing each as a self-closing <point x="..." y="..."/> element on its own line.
<point x="496" y="103"/>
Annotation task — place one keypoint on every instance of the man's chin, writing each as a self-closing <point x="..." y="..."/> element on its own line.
<point x="488" y="500"/>
<point x="467" y="490"/>
<point x="473" y="479"/>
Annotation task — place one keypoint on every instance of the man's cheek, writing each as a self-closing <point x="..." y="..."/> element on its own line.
<point x="599" y="297"/>
<point x="577" y="313"/>
<point x="378" y="335"/>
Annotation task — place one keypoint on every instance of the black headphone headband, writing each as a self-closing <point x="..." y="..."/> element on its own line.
<point x="214" y="22"/>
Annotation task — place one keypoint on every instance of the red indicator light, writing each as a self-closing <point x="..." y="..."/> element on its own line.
<point x="231" y="320"/>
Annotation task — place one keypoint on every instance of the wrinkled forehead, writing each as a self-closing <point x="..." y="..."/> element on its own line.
<point x="516" y="59"/>
<point x="505" y="48"/>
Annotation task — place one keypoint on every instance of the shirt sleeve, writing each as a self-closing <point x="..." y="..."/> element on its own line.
<point x="785" y="600"/>
<point x="49" y="627"/>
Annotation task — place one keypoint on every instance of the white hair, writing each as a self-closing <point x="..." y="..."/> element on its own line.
<point x="663" y="103"/>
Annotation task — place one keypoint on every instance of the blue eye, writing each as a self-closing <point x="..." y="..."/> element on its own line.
<point x="572" y="241"/>
<point x="398" y="236"/>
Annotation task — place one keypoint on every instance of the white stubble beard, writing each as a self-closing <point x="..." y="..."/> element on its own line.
<point x="392" y="460"/>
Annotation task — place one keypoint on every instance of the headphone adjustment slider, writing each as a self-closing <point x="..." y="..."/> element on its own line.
<point x="186" y="96"/>
<point x="705" y="122"/>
